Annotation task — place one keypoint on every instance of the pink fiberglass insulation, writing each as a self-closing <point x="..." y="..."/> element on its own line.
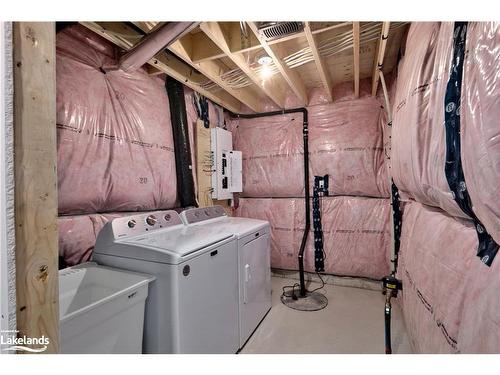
<point x="272" y="155"/>
<point x="356" y="233"/>
<point x="77" y="235"/>
<point x="115" y="145"/>
<point x="480" y="113"/>
<point x="317" y="95"/>
<point x="450" y="302"/>
<point x="345" y="141"/>
<point x="480" y="330"/>
<point x="418" y="134"/>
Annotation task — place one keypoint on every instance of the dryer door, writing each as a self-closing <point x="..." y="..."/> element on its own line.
<point x="255" y="283"/>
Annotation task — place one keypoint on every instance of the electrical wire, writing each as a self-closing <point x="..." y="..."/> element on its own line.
<point x="320" y="287"/>
<point x="283" y="294"/>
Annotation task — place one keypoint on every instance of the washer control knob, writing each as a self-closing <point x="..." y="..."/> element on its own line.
<point x="206" y="213"/>
<point x="131" y="223"/>
<point x="167" y="217"/>
<point x="151" y="220"/>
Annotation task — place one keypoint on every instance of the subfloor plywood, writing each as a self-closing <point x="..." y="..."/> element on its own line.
<point x="353" y="322"/>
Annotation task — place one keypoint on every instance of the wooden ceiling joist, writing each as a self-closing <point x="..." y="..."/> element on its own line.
<point x="152" y="71"/>
<point x="204" y="53"/>
<point x="220" y="59"/>
<point x="291" y="76"/>
<point x="268" y="87"/>
<point x="320" y="63"/>
<point x="379" y="56"/>
<point x="125" y="37"/>
<point x="211" y="69"/>
<point x="355" y="38"/>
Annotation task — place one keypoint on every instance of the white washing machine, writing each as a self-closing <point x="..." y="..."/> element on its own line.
<point x="254" y="265"/>
<point x="193" y="303"/>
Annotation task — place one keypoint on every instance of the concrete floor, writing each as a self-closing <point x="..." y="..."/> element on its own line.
<point x="353" y="322"/>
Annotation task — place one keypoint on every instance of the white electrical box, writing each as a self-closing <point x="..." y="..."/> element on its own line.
<point x="236" y="171"/>
<point x="227" y="165"/>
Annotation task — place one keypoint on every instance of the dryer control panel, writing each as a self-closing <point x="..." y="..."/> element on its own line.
<point x="195" y="215"/>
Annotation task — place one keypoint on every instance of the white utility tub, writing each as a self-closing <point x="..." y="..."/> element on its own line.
<point x="101" y="309"/>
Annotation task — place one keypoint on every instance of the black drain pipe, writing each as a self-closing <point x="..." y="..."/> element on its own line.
<point x="183" y="164"/>
<point x="305" y="131"/>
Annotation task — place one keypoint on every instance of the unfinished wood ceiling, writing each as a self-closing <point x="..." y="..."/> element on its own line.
<point x="235" y="62"/>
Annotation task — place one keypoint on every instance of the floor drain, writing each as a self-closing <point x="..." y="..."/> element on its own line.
<point x="312" y="301"/>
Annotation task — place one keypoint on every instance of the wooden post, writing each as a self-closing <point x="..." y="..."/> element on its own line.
<point x="36" y="181"/>
<point x="355" y="43"/>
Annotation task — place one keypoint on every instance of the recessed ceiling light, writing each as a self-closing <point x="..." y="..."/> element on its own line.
<point x="264" y="60"/>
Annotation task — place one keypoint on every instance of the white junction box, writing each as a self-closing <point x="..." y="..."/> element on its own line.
<point x="227" y="165"/>
<point x="101" y="309"/>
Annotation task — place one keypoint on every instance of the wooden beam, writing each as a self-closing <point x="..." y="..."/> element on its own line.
<point x="328" y="28"/>
<point x="379" y="56"/>
<point x="320" y="63"/>
<point x="355" y="38"/>
<point x="125" y="37"/>
<point x="36" y="181"/>
<point x="212" y="55"/>
<point x="269" y="87"/>
<point x="183" y="49"/>
<point x="277" y="53"/>
<point x="152" y="71"/>
<point x="204" y="49"/>
<point x="213" y="71"/>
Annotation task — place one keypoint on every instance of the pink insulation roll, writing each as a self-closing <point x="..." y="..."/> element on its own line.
<point x="272" y="152"/>
<point x="115" y="145"/>
<point x="480" y="331"/>
<point x="480" y="113"/>
<point x="450" y="302"/>
<point x="77" y="235"/>
<point x="345" y="141"/>
<point x="356" y="233"/>
<point x="418" y="134"/>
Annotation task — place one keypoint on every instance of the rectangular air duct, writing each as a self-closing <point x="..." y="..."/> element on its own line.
<point x="277" y="30"/>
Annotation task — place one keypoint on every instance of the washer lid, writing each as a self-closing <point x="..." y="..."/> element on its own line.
<point x="173" y="245"/>
<point x="240" y="226"/>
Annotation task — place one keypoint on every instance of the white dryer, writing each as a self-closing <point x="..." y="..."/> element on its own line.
<point x="254" y="265"/>
<point x="193" y="303"/>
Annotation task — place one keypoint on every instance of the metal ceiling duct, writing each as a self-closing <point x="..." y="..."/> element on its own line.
<point x="153" y="43"/>
<point x="277" y="30"/>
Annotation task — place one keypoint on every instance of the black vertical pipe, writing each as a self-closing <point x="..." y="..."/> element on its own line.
<point x="183" y="166"/>
<point x="387" y="322"/>
<point x="305" y="136"/>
